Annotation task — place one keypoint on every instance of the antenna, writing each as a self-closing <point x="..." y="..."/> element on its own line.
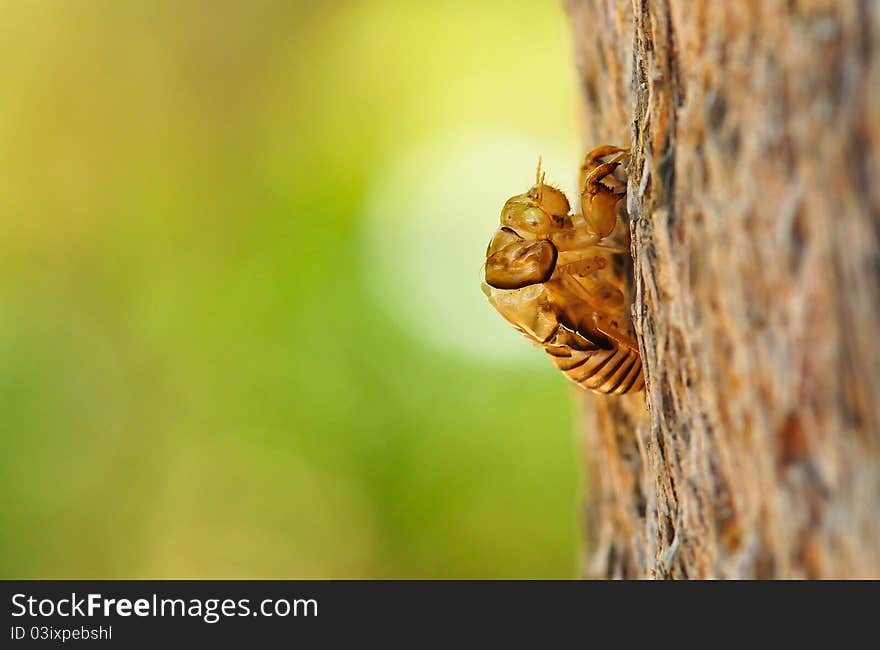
<point x="539" y="180"/>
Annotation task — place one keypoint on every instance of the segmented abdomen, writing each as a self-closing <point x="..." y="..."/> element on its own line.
<point x="612" y="371"/>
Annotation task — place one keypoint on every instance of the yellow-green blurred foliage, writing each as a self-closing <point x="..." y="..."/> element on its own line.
<point x="241" y="329"/>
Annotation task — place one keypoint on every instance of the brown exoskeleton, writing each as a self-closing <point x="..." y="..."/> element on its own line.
<point x="551" y="274"/>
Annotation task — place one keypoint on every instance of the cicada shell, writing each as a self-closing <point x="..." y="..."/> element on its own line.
<point x="560" y="277"/>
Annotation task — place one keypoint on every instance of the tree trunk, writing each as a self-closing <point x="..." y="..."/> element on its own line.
<point x="754" y="198"/>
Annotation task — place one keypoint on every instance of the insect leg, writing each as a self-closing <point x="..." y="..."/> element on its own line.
<point x="614" y="333"/>
<point x="600" y="205"/>
<point x="574" y="239"/>
<point x="601" y="152"/>
<point x="593" y="159"/>
<point x="596" y="173"/>
<point x="598" y="294"/>
<point x="621" y="250"/>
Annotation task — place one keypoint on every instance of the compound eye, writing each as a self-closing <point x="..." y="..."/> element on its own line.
<point x="527" y="218"/>
<point x="521" y="264"/>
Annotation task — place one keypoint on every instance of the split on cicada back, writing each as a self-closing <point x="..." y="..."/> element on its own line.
<point x="555" y="276"/>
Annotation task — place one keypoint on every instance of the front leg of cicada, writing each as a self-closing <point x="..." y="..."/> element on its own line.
<point x="600" y="205"/>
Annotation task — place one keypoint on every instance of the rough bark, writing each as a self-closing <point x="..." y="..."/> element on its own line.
<point x="754" y="198"/>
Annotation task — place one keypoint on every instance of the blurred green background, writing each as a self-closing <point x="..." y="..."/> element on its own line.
<point x="241" y="328"/>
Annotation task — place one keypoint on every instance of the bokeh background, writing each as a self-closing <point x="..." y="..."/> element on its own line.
<point x="241" y="328"/>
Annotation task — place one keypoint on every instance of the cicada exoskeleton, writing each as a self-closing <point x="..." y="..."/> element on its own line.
<point x="555" y="275"/>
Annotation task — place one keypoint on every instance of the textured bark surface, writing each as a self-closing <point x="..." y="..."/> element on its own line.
<point x="754" y="197"/>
